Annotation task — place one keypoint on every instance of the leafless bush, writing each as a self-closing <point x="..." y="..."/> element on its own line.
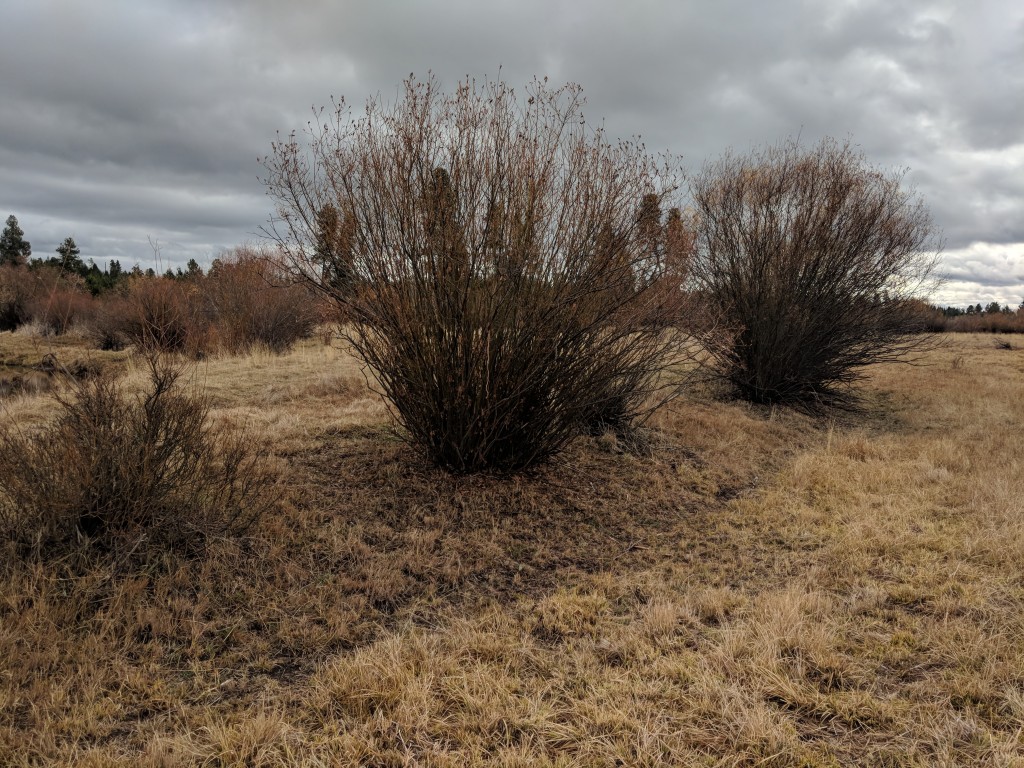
<point x="254" y="304"/>
<point x="503" y="265"/>
<point x="107" y="326"/>
<point x="16" y="291"/>
<point x="156" y="314"/>
<point x="815" y="259"/>
<point x="121" y="469"/>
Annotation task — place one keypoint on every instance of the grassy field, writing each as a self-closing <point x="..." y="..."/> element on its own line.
<point x="747" y="587"/>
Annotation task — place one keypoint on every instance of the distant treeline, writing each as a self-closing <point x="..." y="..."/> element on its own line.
<point x="992" y="318"/>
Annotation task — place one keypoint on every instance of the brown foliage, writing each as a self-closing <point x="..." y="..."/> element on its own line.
<point x="16" y="290"/>
<point x="245" y="301"/>
<point x="154" y="314"/>
<point x="814" y="259"/>
<point x="986" y="322"/>
<point x="254" y="304"/>
<point x="503" y="265"/>
<point x="55" y="300"/>
<point x="121" y="469"/>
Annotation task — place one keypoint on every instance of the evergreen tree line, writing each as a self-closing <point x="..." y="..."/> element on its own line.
<point x="16" y="251"/>
<point x="977" y="309"/>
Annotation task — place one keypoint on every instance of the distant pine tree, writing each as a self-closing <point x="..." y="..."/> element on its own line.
<point x="14" y="248"/>
<point x="69" y="258"/>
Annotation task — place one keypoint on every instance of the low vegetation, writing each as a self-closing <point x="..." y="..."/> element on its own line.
<point x="974" y="319"/>
<point x="306" y="554"/>
<point x="244" y="301"/>
<point x="127" y="472"/>
<point x="759" y="587"/>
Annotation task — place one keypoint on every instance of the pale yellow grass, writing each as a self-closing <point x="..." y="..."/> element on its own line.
<point x="762" y="589"/>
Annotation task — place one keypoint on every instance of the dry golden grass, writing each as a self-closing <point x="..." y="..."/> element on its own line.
<point x="757" y="588"/>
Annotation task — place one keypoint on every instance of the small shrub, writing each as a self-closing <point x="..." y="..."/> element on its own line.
<point x="106" y="326"/>
<point x="814" y="260"/>
<point x="122" y="469"/>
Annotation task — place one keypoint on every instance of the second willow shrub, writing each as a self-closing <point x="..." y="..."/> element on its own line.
<point x="815" y="260"/>
<point x="507" y="271"/>
<point x="253" y="305"/>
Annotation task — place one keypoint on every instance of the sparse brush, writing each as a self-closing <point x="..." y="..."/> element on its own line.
<point x="121" y="469"/>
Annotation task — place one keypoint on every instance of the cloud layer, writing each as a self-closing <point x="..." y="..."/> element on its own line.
<point x="124" y="122"/>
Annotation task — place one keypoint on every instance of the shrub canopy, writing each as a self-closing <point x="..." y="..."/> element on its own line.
<point x="814" y="260"/>
<point x="507" y="270"/>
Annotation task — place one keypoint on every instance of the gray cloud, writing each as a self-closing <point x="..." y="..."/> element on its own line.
<point x="126" y="121"/>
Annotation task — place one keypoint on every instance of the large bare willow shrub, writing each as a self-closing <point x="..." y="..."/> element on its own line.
<point x="502" y="263"/>
<point x="816" y="261"/>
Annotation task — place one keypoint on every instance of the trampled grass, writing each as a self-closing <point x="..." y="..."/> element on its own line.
<point x="755" y="587"/>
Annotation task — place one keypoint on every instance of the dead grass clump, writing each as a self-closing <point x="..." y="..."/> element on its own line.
<point x="120" y="470"/>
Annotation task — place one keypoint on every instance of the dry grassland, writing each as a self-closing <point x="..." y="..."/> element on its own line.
<point x="752" y="587"/>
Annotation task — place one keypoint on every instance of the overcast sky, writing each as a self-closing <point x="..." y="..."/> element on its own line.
<point x="128" y="121"/>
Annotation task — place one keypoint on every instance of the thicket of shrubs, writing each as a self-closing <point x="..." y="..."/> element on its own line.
<point x="130" y="471"/>
<point x="974" y="319"/>
<point x="54" y="301"/>
<point x="514" y="279"/>
<point x="244" y="302"/>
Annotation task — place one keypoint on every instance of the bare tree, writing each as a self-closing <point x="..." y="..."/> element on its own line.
<point x="814" y="258"/>
<point x="491" y="252"/>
